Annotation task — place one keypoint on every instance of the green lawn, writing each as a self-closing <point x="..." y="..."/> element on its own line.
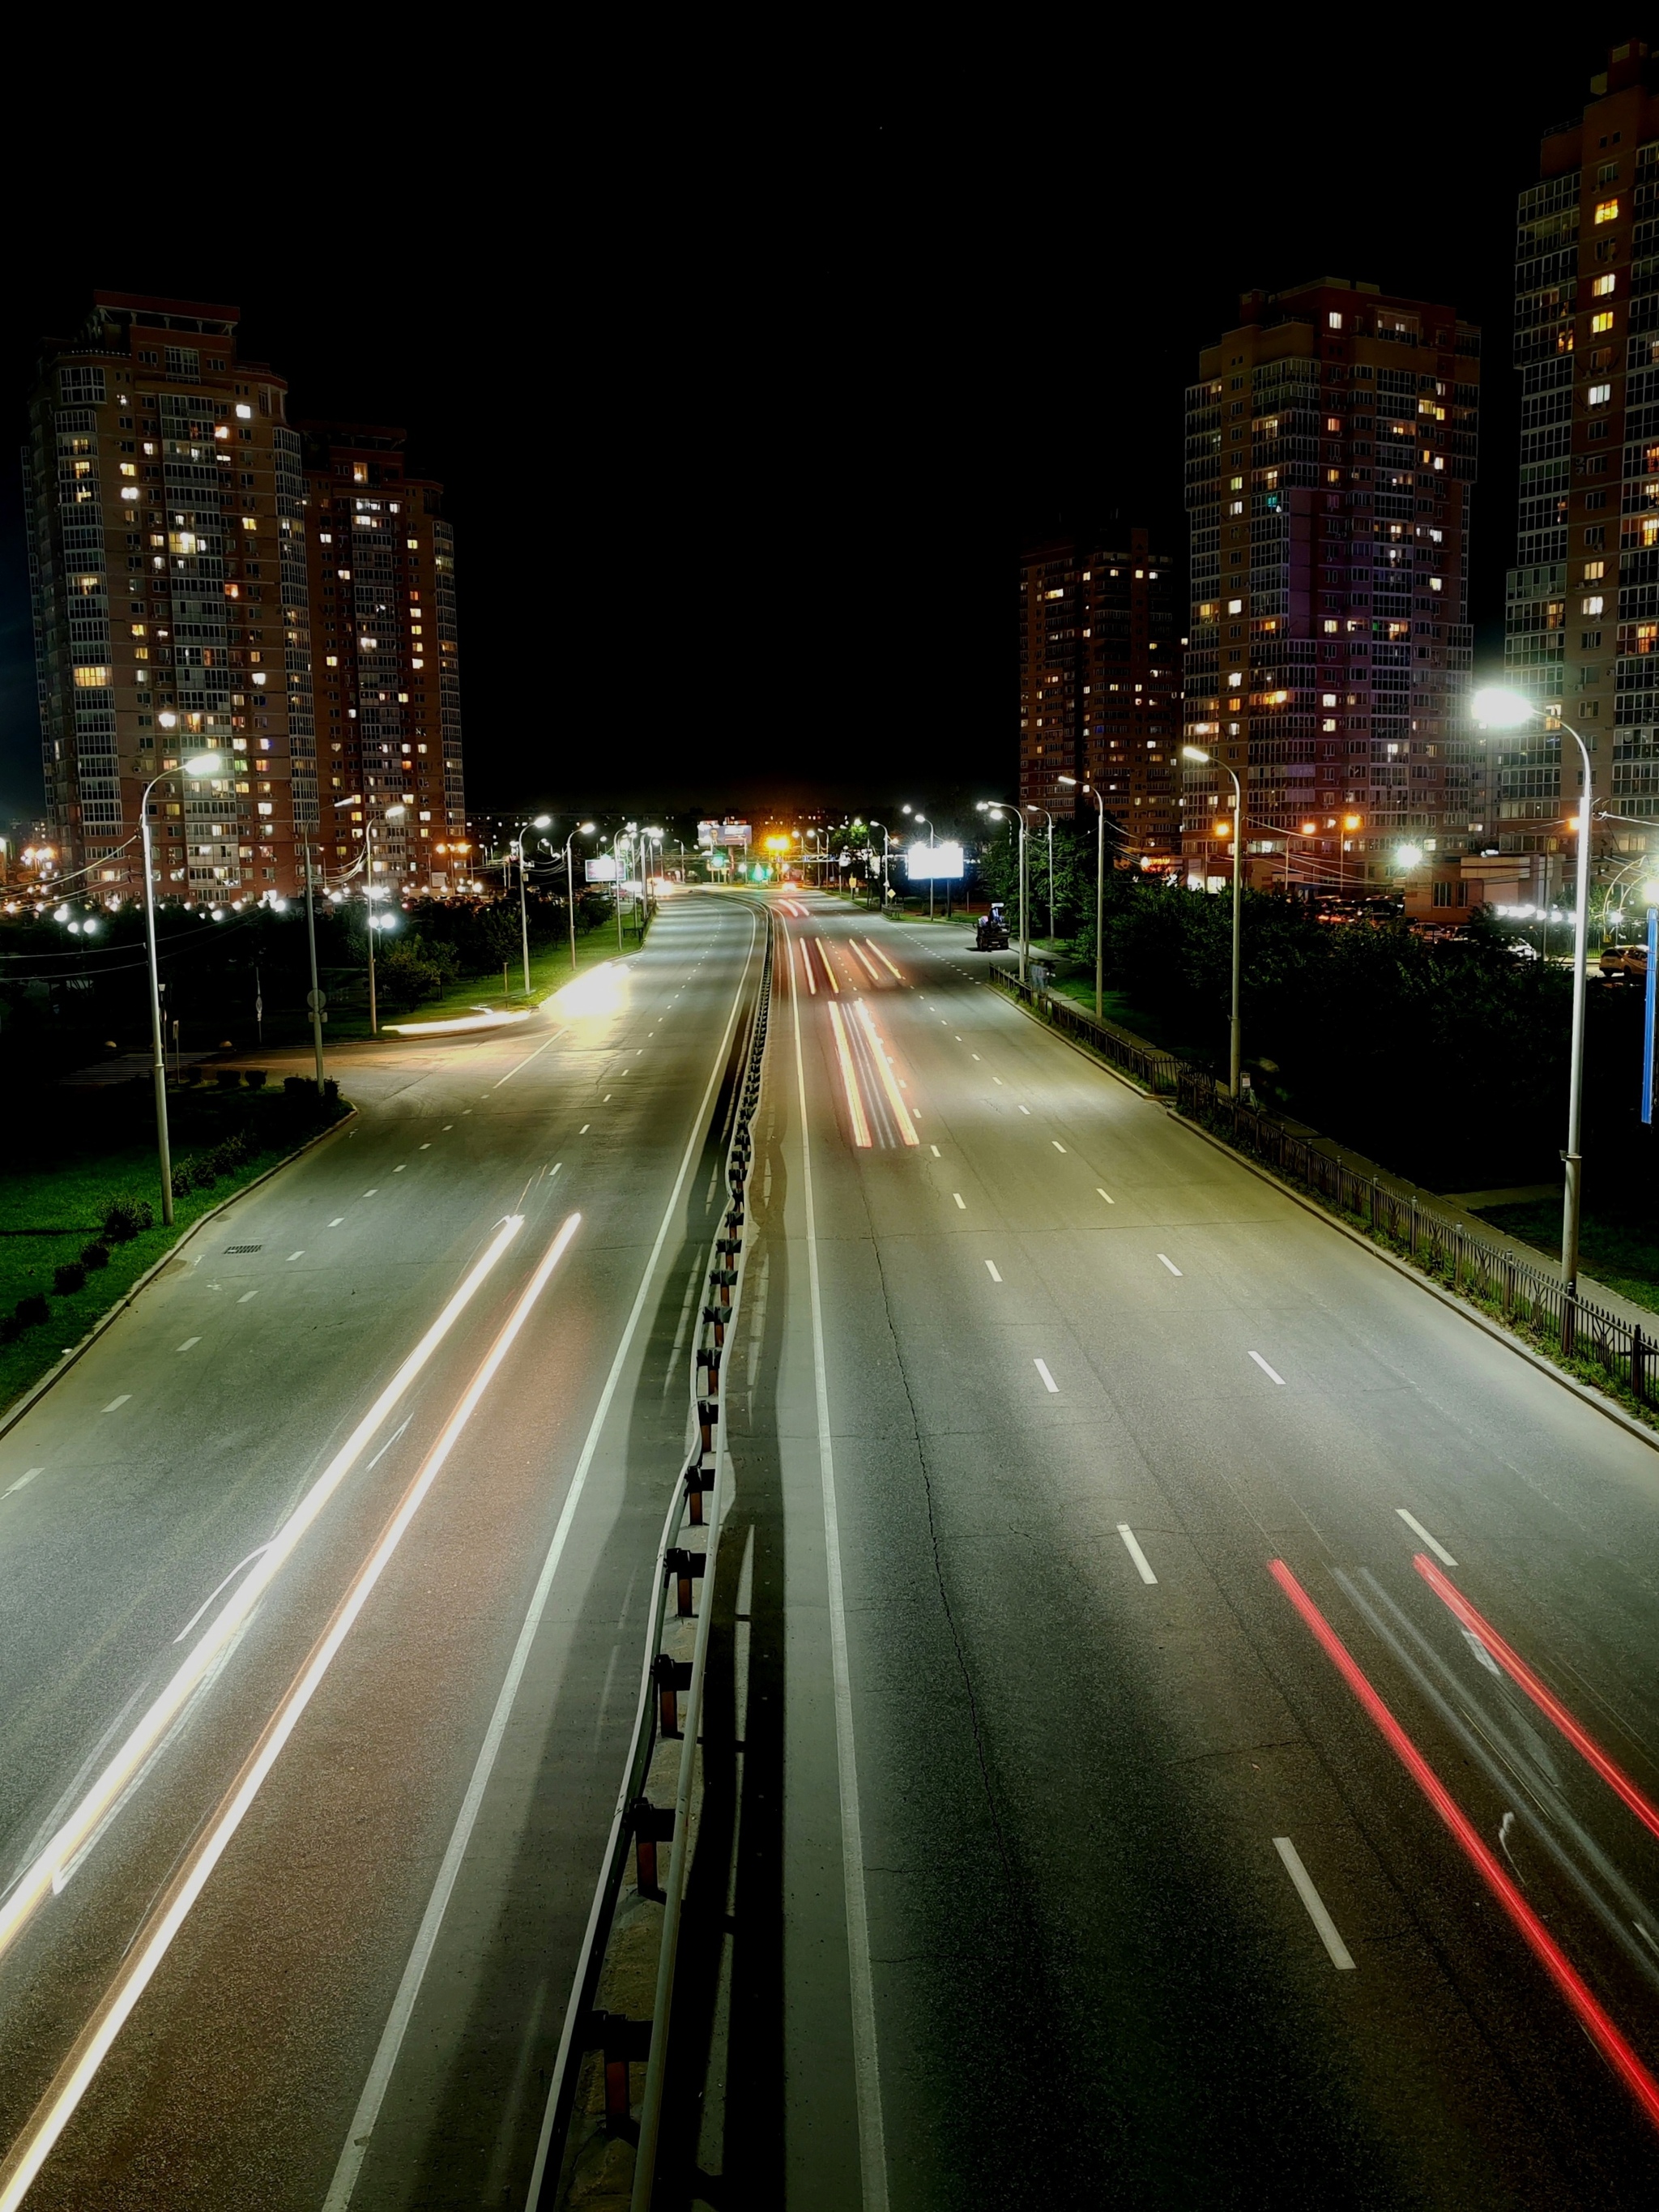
<point x="1620" y="1254"/>
<point x="1139" y="1021"/>
<point x="52" y="1216"/>
<point x="549" y="970"/>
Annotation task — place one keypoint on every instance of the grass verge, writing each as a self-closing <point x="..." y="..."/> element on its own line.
<point x="1622" y="1254"/>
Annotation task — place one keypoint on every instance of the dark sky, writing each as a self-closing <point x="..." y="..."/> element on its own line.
<point x="745" y="386"/>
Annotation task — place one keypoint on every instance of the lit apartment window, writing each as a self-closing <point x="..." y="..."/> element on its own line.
<point x="1600" y="394"/>
<point x="1333" y="321"/>
<point x="1603" y="321"/>
<point x="1607" y="211"/>
<point x="1595" y="605"/>
<point x="1594" y="571"/>
<point x="1605" y="287"/>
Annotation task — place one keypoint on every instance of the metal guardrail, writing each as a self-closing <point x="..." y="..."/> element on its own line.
<point x="1159" y="1071"/>
<point x="1525" y="1295"/>
<point x="670" y="1709"/>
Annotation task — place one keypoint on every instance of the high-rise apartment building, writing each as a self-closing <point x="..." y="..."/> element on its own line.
<point x="1583" y="613"/>
<point x="1099" y="686"/>
<point x="382" y="563"/>
<point x="1330" y="460"/>
<point x="167" y="567"/>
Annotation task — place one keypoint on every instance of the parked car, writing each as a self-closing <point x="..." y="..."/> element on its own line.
<point x="991" y="933"/>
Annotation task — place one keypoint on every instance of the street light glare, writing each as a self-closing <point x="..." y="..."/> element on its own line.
<point x="1499" y="708"/>
<point x="1410" y="855"/>
<point x="1650" y="894"/>
<point x="585" y="828"/>
<point x="203" y="765"/>
<point x="1193" y="753"/>
<point x="541" y="822"/>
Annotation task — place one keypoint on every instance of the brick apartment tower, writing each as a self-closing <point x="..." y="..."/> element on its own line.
<point x="1330" y="460"/>
<point x="1099" y="686"/>
<point x="382" y="561"/>
<point x="163" y="509"/>
<point x="1583" y="613"/>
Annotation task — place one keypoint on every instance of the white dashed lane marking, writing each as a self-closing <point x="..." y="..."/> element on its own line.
<point x="1174" y="1270"/>
<point x="1272" y="1373"/>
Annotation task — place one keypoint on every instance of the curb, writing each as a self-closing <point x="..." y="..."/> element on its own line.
<point x="1590" y="1396"/>
<point x="19" y="1407"/>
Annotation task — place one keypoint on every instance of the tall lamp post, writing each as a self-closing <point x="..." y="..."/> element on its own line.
<point x="1015" y="814"/>
<point x="885" y="842"/>
<point x="316" y="998"/>
<point x="1234" y="1045"/>
<point x="540" y="822"/>
<point x="1495" y="707"/>
<point x="202" y="764"/>
<point x="392" y="812"/>
<point x="583" y="829"/>
<point x="1089" y="792"/>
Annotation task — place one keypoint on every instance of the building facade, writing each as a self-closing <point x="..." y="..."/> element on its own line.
<point x="166" y="546"/>
<point x="387" y="652"/>
<point x="1099" y="686"/>
<point x="1582" y="605"/>
<point x="1330" y="459"/>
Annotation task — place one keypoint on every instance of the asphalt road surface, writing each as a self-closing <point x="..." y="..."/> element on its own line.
<point x="1124" y="1814"/>
<point x="322" y="1582"/>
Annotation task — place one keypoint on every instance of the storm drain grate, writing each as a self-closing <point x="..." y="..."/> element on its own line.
<point x="245" y="1248"/>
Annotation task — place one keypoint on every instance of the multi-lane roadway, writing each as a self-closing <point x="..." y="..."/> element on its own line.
<point x="1131" y="1810"/>
<point x="320" y="1592"/>
<point x="1183" y="1718"/>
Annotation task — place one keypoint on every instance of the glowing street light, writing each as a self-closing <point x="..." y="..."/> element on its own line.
<point x="1089" y="792"/>
<point x="583" y="829"/>
<point x="999" y="806"/>
<point x="1497" y="707"/>
<point x="1235" y="1042"/>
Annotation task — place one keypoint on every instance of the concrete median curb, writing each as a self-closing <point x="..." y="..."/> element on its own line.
<point x="1591" y="1396"/>
<point x="19" y="1407"/>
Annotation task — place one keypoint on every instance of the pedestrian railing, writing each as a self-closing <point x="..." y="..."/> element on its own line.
<point x="1534" y="1302"/>
<point x="1157" y="1071"/>
<point x="590" y="2101"/>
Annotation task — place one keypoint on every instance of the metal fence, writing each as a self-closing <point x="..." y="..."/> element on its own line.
<point x="1157" y="1071"/>
<point x="1533" y="1301"/>
<point x="591" y="2094"/>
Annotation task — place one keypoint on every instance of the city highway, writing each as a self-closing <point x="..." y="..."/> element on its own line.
<point x="1126" y="1815"/>
<point x="322" y="1579"/>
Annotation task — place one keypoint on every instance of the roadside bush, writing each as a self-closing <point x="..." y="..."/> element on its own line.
<point x="31" y="1311"/>
<point x="296" y="1086"/>
<point x="68" y="1276"/>
<point x="127" y="1217"/>
<point x="203" y="1173"/>
<point x="95" y="1255"/>
<point x="255" y="1077"/>
<point x="10" y="1328"/>
<point x="182" y="1182"/>
<point x="228" y="1079"/>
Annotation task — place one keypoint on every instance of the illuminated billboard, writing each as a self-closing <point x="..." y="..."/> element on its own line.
<point x="729" y="834"/>
<point x="604" y="870"/>
<point x="934" y="863"/>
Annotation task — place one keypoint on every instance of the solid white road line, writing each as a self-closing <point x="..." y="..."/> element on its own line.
<point x="872" y="2155"/>
<point x="1418" y="1529"/>
<point x="992" y="1265"/>
<point x="1109" y="1200"/>
<point x="1341" y="1958"/>
<point x="960" y="1200"/>
<point x="528" y="1057"/>
<point x="1048" y="1382"/>
<point x="1272" y="1373"/>
<point x="1168" y="1263"/>
<point x="1133" y="1547"/>
<point x="27" y="1476"/>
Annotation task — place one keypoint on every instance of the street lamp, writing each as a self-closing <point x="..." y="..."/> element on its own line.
<point x="1496" y="706"/>
<point x="885" y="842"/>
<point x="1197" y="753"/>
<point x="1089" y="792"/>
<point x="202" y="764"/>
<point x="932" y="849"/>
<point x="540" y="822"/>
<point x="390" y="813"/>
<point x="585" y="829"/>
<point x="999" y="806"/>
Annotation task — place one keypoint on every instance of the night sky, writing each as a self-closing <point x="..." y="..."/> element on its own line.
<point x="745" y="390"/>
